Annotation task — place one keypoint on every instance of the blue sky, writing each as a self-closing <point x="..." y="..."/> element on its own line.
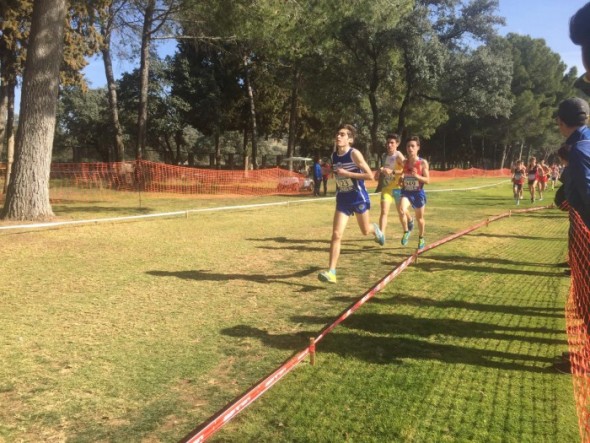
<point x="546" y="19"/>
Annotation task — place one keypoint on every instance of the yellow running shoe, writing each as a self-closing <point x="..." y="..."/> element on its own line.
<point x="327" y="277"/>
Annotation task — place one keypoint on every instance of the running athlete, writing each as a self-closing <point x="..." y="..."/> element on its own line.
<point x="416" y="175"/>
<point x="554" y="175"/>
<point x="392" y="183"/>
<point x="532" y="174"/>
<point x="518" y="181"/>
<point x="350" y="172"/>
<point x="542" y="178"/>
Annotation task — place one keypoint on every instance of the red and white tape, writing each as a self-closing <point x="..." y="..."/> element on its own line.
<point x="213" y="424"/>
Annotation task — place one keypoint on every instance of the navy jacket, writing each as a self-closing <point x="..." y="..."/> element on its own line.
<point x="577" y="188"/>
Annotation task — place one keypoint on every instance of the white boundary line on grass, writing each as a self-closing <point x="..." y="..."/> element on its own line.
<point x="188" y="211"/>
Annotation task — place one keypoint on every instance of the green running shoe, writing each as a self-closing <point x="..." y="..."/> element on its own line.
<point x="327" y="277"/>
<point x="421" y="243"/>
<point x="405" y="238"/>
<point x="379" y="237"/>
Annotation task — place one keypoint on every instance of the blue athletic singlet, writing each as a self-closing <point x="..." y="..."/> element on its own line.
<point x="351" y="194"/>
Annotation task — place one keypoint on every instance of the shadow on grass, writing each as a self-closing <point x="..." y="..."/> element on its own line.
<point x="392" y="350"/>
<point x="361" y="245"/>
<point x="435" y="267"/>
<point x="487" y="260"/>
<point x="403" y="324"/>
<point x="411" y="300"/>
<point x="551" y="215"/>
<point x="521" y="237"/>
<point x="285" y="240"/>
<point x="207" y="275"/>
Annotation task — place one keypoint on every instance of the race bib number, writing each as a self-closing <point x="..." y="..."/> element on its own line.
<point x="344" y="184"/>
<point x="517" y="176"/>
<point x="411" y="184"/>
<point x="532" y="177"/>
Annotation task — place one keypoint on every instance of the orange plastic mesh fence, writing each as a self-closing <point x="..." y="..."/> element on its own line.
<point x="158" y="177"/>
<point x="472" y="172"/>
<point x="578" y="319"/>
<point x="85" y="180"/>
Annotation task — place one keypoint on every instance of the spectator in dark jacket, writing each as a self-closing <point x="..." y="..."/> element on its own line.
<point x="317" y="176"/>
<point x="572" y="116"/>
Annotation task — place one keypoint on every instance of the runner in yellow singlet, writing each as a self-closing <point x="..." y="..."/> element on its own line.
<point x="392" y="171"/>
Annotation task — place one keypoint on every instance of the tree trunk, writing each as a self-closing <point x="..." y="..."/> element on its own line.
<point x="494" y="155"/>
<point x="28" y="191"/>
<point x="3" y="114"/>
<point x="529" y="152"/>
<point x="9" y="134"/>
<point x="503" y="159"/>
<point x="77" y="153"/>
<point x="374" y="148"/>
<point x="245" y="149"/>
<point x="113" y="103"/>
<point x="293" y="114"/>
<point x="179" y="141"/>
<point x="217" y="142"/>
<point x="7" y="62"/>
<point x="144" y="72"/>
<point x="375" y="111"/>
<point x="403" y="111"/>
<point x="168" y="151"/>
<point x="483" y="158"/>
<point x="472" y="158"/>
<point x="444" y="149"/>
<point x="252" y="114"/>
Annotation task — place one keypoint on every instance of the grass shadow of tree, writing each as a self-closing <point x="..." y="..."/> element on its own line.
<point x="209" y="275"/>
<point x="393" y="350"/>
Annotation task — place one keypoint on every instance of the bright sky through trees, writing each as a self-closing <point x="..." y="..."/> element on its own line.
<point x="546" y="19"/>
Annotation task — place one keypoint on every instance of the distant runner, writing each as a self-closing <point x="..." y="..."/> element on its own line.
<point x="542" y="178"/>
<point x="518" y="181"/>
<point x="554" y="175"/>
<point x="532" y="174"/>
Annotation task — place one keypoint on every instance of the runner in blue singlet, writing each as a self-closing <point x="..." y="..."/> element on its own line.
<point x="350" y="172"/>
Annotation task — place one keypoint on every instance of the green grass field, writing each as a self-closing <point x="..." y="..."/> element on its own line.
<point x="139" y="331"/>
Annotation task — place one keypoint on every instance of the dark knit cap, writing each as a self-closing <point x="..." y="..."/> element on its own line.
<point x="573" y="111"/>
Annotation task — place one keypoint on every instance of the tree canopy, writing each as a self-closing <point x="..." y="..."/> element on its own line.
<point x="248" y="76"/>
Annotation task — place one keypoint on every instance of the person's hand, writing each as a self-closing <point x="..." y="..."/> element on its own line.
<point x="342" y="172"/>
